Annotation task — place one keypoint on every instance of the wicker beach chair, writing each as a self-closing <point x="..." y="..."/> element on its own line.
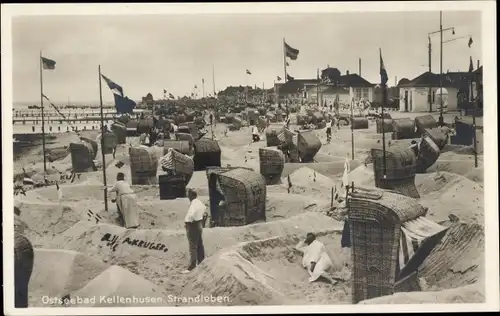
<point x="390" y="238"/>
<point x="82" y="157"/>
<point x="308" y="145"/>
<point x="206" y="153"/>
<point x="244" y="194"/>
<point x="182" y="146"/>
<point x="401" y="165"/>
<point x="403" y="128"/>
<point x="384" y="126"/>
<point x="428" y="154"/>
<point x="120" y="130"/>
<point x="424" y="122"/>
<point x="272" y="163"/>
<point x="143" y="165"/>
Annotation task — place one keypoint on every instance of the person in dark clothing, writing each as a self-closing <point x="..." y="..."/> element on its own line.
<point x="152" y="136"/>
<point x="211" y="119"/>
<point x="23" y="267"/>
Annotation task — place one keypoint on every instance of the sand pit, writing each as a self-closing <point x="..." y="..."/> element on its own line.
<point x="163" y="267"/>
<point x="269" y="271"/>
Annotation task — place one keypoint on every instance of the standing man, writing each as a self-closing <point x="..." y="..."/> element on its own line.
<point x="329" y="130"/>
<point x="194" y="222"/>
<point x="255" y="134"/>
<point x="126" y="202"/>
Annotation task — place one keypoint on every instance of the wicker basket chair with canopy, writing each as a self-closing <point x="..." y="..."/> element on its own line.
<point x="400" y="170"/>
<point x="390" y="237"/>
<point x="243" y="195"/>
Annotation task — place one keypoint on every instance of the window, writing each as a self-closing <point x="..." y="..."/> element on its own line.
<point x="365" y="93"/>
<point x="358" y="93"/>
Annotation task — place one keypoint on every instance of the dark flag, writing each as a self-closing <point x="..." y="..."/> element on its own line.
<point x="124" y="104"/>
<point x="202" y="80"/>
<point x="279" y="78"/>
<point x="470" y="41"/>
<point x="164" y="91"/>
<point x="48" y="64"/>
<point x="291" y="52"/>
<point x="171" y="96"/>
<point x="383" y="72"/>
<point x="287" y="64"/>
<point x="289" y="78"/>
<point x="116" y="89"/>
<point x="248" y="72"/>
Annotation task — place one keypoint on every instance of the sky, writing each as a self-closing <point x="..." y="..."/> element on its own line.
<point x="174" y="52"/>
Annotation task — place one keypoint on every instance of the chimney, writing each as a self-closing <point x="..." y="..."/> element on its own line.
<point x="347" y="72"/>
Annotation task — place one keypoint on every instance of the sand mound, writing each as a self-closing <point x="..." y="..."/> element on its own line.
<point x="268" y="272"/>
<point x="476" y="175"/>
<point x="467" y="294"/>
<point x="457" y="260"/>
<point x="362" y="175"/>
<point x="47" y="220"/>
<point x="163" y="267"/>
<point x="444" y="194"/>
<point x="308" y="181"/>
<point x="59" y="272"/>
<point x="330" y="169"/>
<point x="280" y="204"/>
<point x="119" y="287"/>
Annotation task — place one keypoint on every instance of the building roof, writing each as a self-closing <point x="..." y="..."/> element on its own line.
<point x="354" y="80"/>
<point x="295" y="86"/>
<point x="329" y="89"/>
<point x="429" y="79"/>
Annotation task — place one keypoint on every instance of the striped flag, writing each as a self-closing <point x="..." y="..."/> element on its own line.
<point x="248" y="72"/>
<point x="116" y="89"/>
<point x="48" y="64"/>
<point x="291" y="52"/>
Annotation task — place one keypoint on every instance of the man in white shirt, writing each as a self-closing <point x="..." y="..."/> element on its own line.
<point x="316" y="259"/>
<point x="195" y="217"/>
<point x="126" y="202"/>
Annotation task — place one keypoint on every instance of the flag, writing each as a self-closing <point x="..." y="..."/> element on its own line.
<point x="171" y="96"/>
<point x="59" y="192"/>
<point x="278" y="77"/>
<point x="164" y="91"/>
<point x="287" y="64"/>
<point x="52" y="104"/>
<point x="48" y="64"/>
<point x="116" y="89"/>
<point x="470" y="41"/>
<point x="345" y="176"/>
<point x="195" y="86"/>
<point x="248" y="72"/>
<point x="471" y="65"/>
<point x="383" y="72"/>
<point x="202" y="80"/>
<point x="124" y="104"/>
<point x="289" y="78"/>
<point x="291" y="52"/>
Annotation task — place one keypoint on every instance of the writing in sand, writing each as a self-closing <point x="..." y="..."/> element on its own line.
<point x="112" y="241"/>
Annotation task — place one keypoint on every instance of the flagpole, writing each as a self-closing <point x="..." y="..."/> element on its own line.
<point x="352" y="130"/>
<point x="384" y="100"/>
<point x="102" y="145"/>
<point x="43" y="119"/>
<point x="213" y="77"/>
<point x="203" y="87"/>
<point x="284" y="59"/>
